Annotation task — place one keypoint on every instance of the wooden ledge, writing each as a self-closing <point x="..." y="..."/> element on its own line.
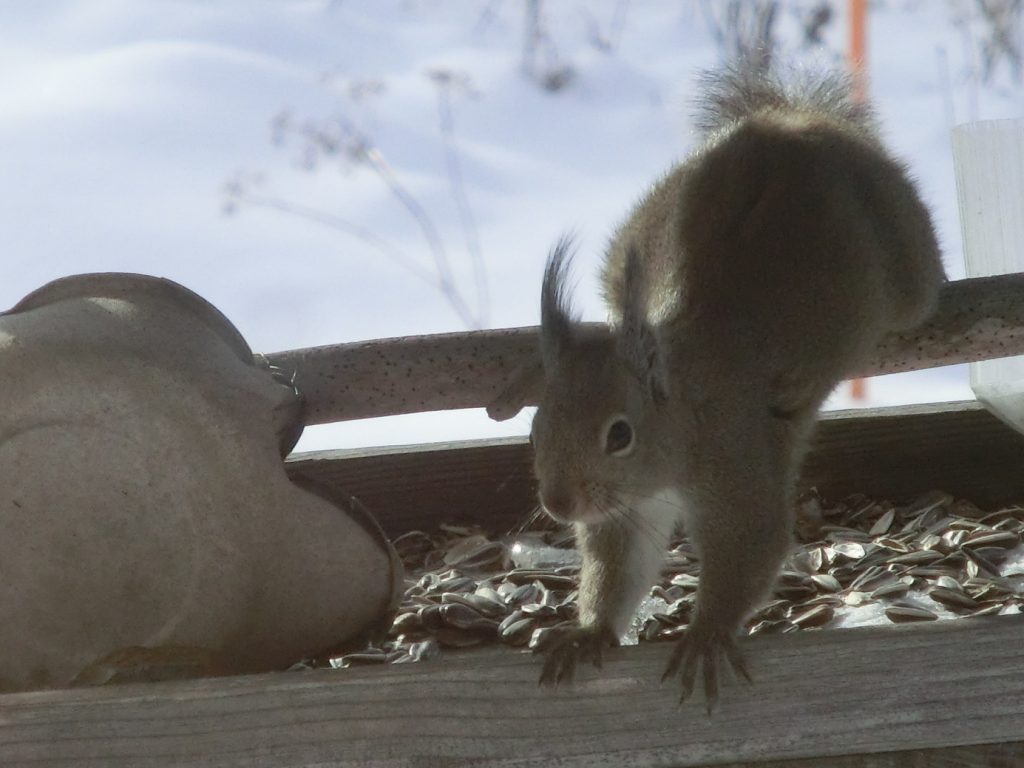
<point x="818" y="695"/>
<point x="895" y="453"/>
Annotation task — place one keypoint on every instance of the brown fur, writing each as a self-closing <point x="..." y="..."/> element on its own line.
<point x="746" y="284"/>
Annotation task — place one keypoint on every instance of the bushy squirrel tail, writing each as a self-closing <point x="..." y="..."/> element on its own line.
<point x="741" y="90"/>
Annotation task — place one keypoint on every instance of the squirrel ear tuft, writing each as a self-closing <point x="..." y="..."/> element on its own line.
<point x="556" y="320"/>
<point x="637" y="338"/>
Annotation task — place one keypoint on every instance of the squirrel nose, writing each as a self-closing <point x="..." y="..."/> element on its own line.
<point x="558" y="502"/>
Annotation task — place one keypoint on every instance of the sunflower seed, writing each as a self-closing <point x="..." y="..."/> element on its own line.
<point x="989" y="610"/>
<point x="424" y="650"/>
<point x="870" y="578"/>
<point x="919" y="557"/>
<point x="407" y="622"/>
<point x="1001" y="539"/>
<point x="807" y="561"/>
<point x="539" y="611"/>
<point x="456" y="583"/>
<point x="947" y="582"/>
<point x="517" y="632"/>
<point x="360" y="658"/>
<point x="883" y="524"/>
<point x="953" y="598"/>
<point x="524" y="593"/>
<point x="488" y="607"/>
<point x="932" y="571"/>
<point x="954" y="538"/>
<point x="490" y="593"/>
<point x="890" y="591"/>
<point x="848" y="549"/>
<point x="686" y="581"/>
<point x="899" y="543"/>
<point x="773" y="627"/>
<point x="817" y="616"/>
<point x="906" y="613"/>
<point x="826" y="582"/>
<point x="430" y="617"/>
<point x="460" y="616"/>
<point x="979" y="564"/>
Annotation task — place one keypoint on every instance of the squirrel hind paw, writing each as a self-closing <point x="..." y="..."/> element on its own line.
<point x="705" y="651"/>
<point x="564" y="649"/>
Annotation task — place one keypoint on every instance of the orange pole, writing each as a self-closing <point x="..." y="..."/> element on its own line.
<point x="857" y="61"/>
<point x="858" y="56"/>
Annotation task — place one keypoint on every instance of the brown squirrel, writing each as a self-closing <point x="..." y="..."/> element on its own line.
<point x="744" y="286"/>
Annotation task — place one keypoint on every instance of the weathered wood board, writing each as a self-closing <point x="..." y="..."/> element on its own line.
<point x="895" y="453"/>
<point x="819" y="695"/>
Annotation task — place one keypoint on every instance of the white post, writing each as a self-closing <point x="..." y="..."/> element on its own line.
<point x="988" y="158"/>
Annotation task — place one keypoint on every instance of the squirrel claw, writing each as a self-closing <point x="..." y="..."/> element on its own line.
<point x="566" y="648"/>
<point x="706" y="650"/>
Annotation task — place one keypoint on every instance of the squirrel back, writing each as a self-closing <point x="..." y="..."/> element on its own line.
<point x="790" y="229"/>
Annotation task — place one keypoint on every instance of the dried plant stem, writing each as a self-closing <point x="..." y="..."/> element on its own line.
<point x="343" y="138"/>
<point x="458" y="187"/>
<point x="446" y="281"/>
<point x="533" y="33"/>
<point x="743" y="30"/>
<point x="391" y="251"/>
<point x="618" y="23"/>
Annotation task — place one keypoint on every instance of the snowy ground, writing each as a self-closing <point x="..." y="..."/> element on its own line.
<point x="121" y="121"/>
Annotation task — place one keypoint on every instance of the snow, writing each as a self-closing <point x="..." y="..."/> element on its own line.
<point x="121" y="122"/>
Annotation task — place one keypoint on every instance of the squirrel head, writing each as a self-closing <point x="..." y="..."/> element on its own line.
<point x="598" y="431"/>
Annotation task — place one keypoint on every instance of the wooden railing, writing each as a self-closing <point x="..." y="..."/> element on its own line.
<point x="977" y="319"/>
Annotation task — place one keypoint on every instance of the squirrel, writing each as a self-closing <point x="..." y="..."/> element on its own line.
<point x="747" y="283"/>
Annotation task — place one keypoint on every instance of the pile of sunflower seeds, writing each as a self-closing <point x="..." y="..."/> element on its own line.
<point x="862" y="561"/>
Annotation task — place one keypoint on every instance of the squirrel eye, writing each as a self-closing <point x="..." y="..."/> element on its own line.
<point x="618" y="438"/>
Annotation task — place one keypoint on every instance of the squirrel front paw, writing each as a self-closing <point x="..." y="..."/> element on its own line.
<point x="705" y="646"/>
<point x="566" y="646"/>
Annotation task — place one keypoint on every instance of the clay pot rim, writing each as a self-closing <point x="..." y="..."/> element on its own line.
<point x="131" y="285"/>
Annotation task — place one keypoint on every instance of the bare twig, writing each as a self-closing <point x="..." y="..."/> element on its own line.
<point x="946" y="83"/>
<point x="553" y="76"/>
<point x="445" y="81"/>
<point x="342" y="138"/>
<point x="962" y="22"/>
<point x="607" y="43"/>
<point x="743" y="29"/>
<point x="814" y="21"/>
<point x="533" y="34"/>
<point x="618" y="23"/>
<point x="389" y="250"/>
<point x="422" y="218"/>
<point x="1002" y="20"/>
<point x="487" y="16"/>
